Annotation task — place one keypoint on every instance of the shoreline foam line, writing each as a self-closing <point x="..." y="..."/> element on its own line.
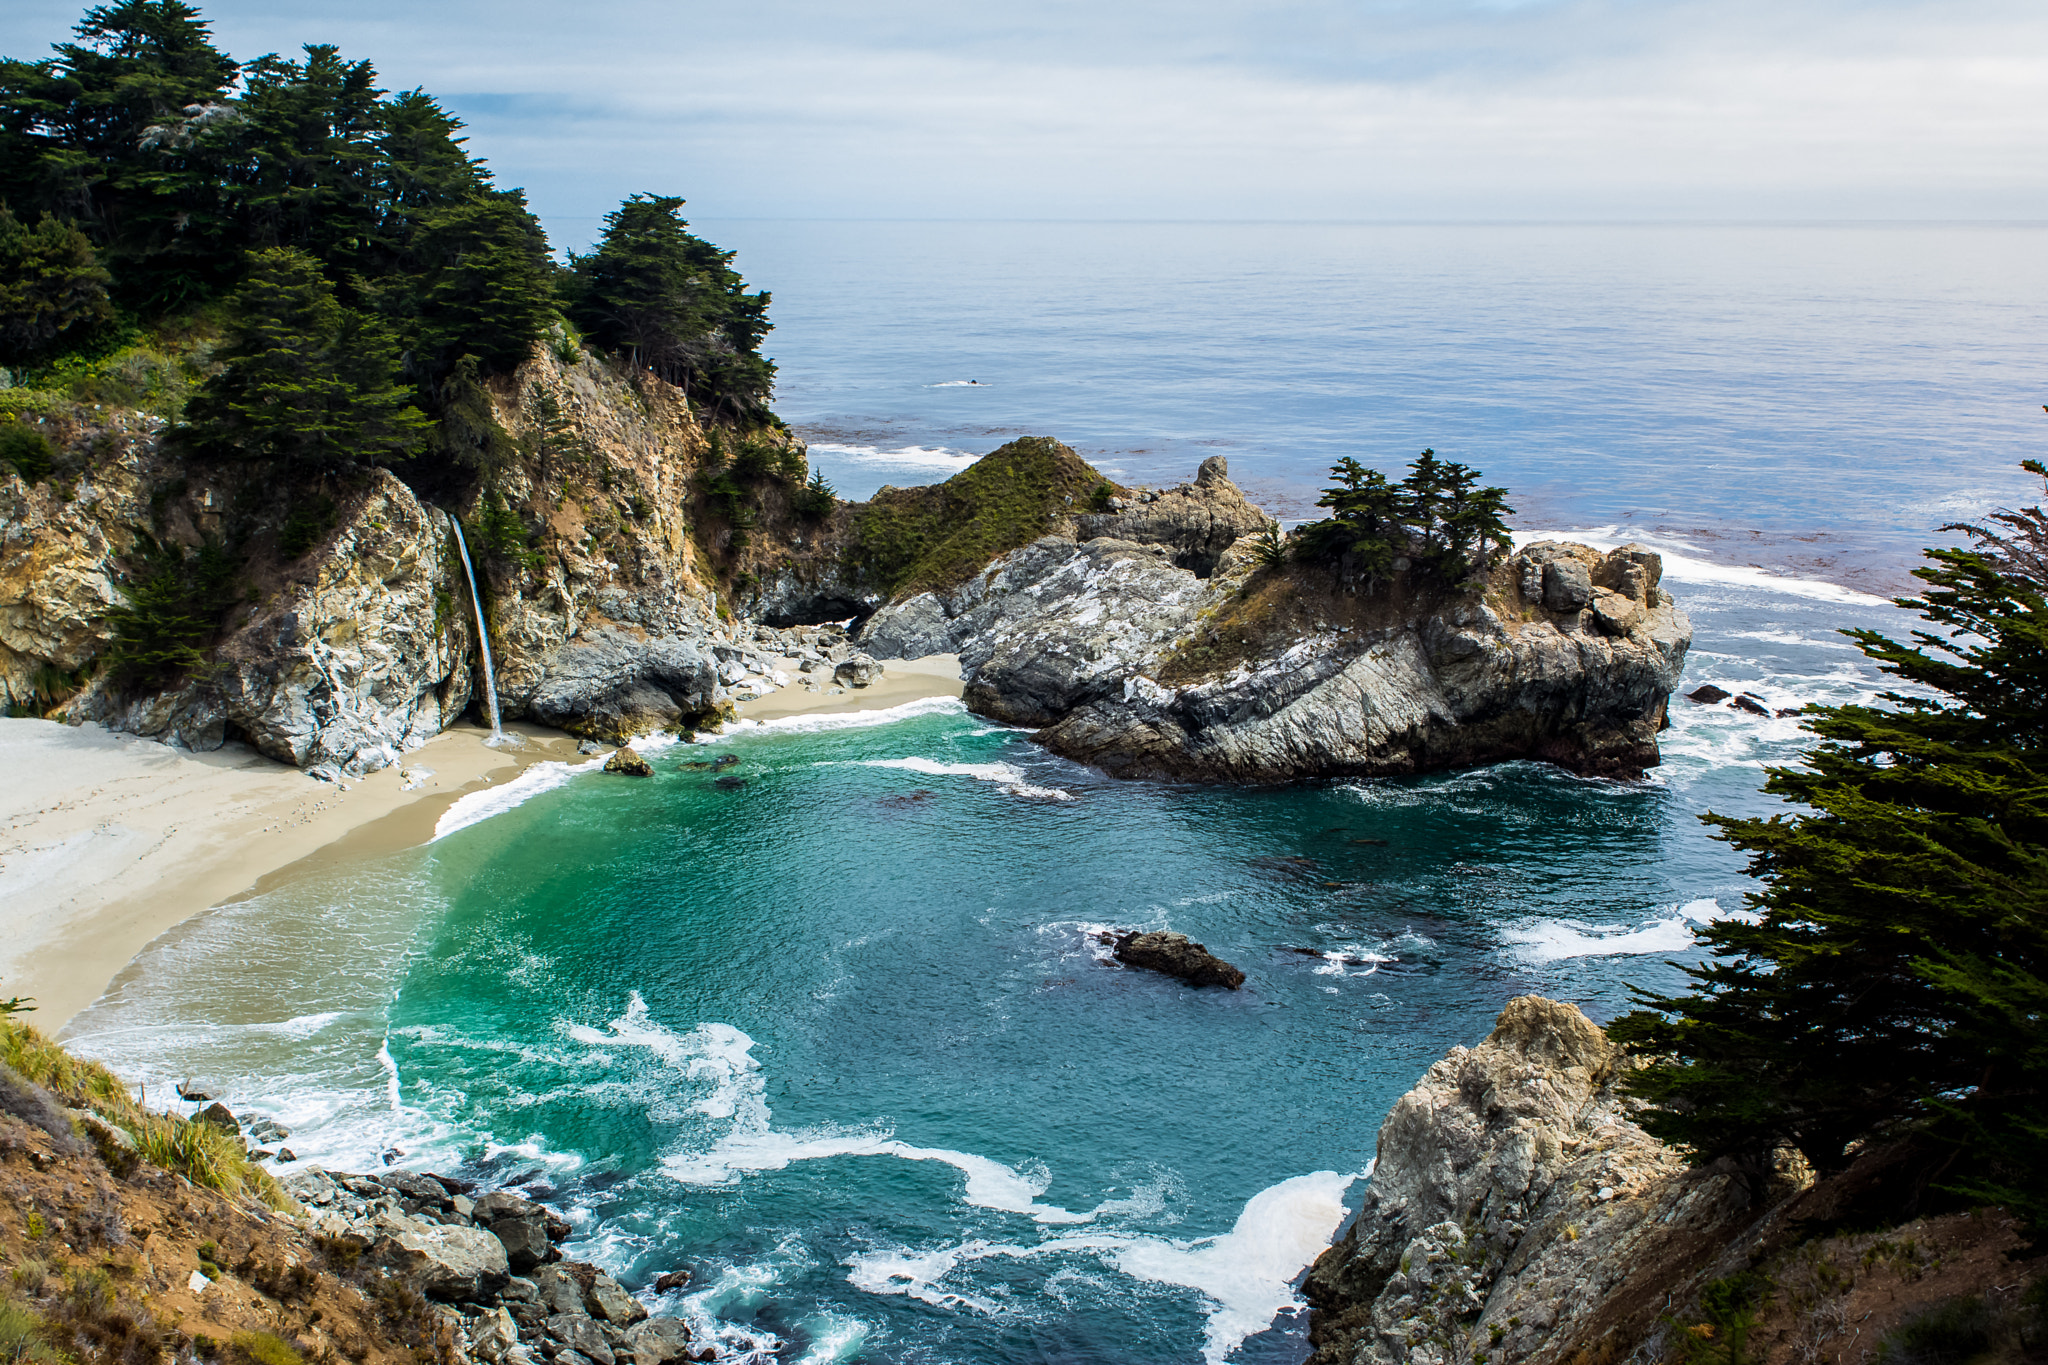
<point x="815" y="722"/>
<point x="475" y="807"/>
<point x="1689" y="568"/>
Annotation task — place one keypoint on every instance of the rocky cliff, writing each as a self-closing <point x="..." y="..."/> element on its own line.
<point x="599" y="553"/>
<point x="1517" y="1213"/>
<point x="1132" y="643"/>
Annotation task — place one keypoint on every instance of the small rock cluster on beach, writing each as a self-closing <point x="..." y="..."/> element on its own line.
<point x="495" y="1262"/>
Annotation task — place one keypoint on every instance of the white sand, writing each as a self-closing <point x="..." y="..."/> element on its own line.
<point x="107" y="840"/>
<point x="935" y="675"/>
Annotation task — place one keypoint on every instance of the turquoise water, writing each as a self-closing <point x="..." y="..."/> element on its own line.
<point x="841" y="1041"/>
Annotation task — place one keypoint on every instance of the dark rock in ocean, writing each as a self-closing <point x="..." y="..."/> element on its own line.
<point x="725" y="760"/>
<point x="674" y="1279"/>
<point x="285" y="1154"/>
<point x="1707" y="695"/>
<point x="1176" y="955"/>
<point x="628" y="762"/>
<point x="1785" y="711"/>
<point x="1751" y="705"/>
<point x="729" y="782"/>
<point x="194" y="1093"/>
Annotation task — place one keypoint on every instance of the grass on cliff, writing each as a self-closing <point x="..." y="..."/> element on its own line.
<point x="937" y="537"/>
<point x="202" y="1153"/>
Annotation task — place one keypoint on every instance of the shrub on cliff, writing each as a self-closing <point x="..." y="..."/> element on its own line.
<point x="1894" y="976"/>
<point x="169" y="611"/>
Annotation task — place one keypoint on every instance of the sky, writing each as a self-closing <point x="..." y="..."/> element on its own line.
<point x="1346" y="110"/>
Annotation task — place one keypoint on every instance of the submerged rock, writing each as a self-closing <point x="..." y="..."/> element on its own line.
<point x="630" y="763"/>
<point x="1177" y="956"/>
<point x="1707" y="694"/>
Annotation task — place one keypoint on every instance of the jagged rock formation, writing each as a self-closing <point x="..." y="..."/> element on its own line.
<point x="1516" y="1211"/>
<point x="1126" y="660"/>
<point x="1199" y="520"/>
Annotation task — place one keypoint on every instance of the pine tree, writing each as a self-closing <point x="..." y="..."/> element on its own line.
<point x="307" y="383"/>
<point x="1894" y="975"/>
<point x="485" y="287"/>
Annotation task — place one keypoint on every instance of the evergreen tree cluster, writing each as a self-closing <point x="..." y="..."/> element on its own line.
<point x="1892" y="981"/>
<point x="145" y="175"/>
<point x="1438" y="518"/>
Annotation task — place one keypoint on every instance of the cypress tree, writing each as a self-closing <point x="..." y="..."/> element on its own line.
<point x="1892" y="977"/>
<point x="53" y="290"/>
<point x="306" y="383"/>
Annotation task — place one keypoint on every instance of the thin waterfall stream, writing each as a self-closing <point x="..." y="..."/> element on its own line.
<point x="483" y="637"/>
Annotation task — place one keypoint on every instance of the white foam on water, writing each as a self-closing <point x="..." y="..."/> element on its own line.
<point x="476" y="807"/>
<point x="833" y="1338"/>
<point x="898" y="457"/>
<point x="819" y="723"/>
<point x="959" y="384"/>
<point x="301" y="1026"/>
<point x="1338" y="962"/>
<point x="1006" y="775"/>
<point x="1247" y="1274"/>
<point x="1557" y="940"/>
<point x="1683" y="567"/>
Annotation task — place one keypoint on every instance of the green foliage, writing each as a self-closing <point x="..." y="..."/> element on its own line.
<point x="1438" y="517"/>
<point x="501" y="534"/>
<point x="816" y="499"/>
<point x="1098" y="501"/>
<point x="1894" y="977"/>
<point x="468" y="432"/>
<point x="672" y="303"/>
<point x="311" y="517"/>
<point x="487" y="284"/>
<point x="28" y="451"/>
<point x="170" y="610"/>
<point x="1730" y="1308"/>
<point x="261" y="1348"/>
<point x="1269" y="551"/>
<point x="53" y="290"/>
<point x="306" y="383"/>
<point x="935" y="537"/>
<point x="23" y="1339"/>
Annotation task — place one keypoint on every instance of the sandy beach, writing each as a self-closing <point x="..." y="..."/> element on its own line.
<point x="108" y="840"/>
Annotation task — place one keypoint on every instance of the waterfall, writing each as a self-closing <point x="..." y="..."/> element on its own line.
<point x="483" y="636"/>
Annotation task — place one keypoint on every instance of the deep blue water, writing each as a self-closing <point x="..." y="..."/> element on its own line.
<point x="841" y="1041"/>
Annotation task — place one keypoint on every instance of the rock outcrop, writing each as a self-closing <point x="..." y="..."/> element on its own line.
<point x="1177" y="956"/>
<point x="1124" y="659"/>
<point x="1517" y="1212"/>
<point x="1198" y="521"/>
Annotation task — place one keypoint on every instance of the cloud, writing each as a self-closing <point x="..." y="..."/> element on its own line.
<point x="1316" y="109"/>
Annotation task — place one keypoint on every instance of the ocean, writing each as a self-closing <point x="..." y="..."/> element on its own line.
<point x="846" y="1043"/>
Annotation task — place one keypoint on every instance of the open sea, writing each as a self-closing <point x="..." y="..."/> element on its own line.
<point x="842" y="1044"/>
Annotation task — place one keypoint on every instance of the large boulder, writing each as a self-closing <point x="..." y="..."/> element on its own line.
<point x="613" y="683"/>
<point x="658" y="1341"/>
<point x="455" y="1263"/>
<point x="580" y="1332"/>
<point x="1177" y="956"/>
<point x="519" y="1223"/>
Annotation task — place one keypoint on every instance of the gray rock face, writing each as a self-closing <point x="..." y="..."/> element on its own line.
<point x="1075" y="638"/>
<point x="658" y="1341"/>
<point x="1511" y="1196"/>
<point x="339" y="672"/>
<point x="1198" y="521"/>
<point x="1177" y="956"/>
<point x="579" y="1332"/>
<point x="447" y="1262"/>
<point x="612" y="684"/>
<point x="609" y="1301"/>
<point x="859" y="671"/>
<point x="519" y="1223"/>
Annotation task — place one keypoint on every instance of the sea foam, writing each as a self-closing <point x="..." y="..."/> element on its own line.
<point x="1008" y="776"/>
<point x="476" y="807"/>
<point x="1557" y="940"/>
